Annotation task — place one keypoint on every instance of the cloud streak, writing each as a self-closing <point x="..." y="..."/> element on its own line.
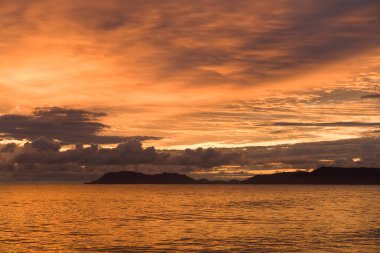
<point x="66" y="125"/>
<point x="328" y="124"/>
<point x="209" y="42"/>
<point x="195" y="73"/>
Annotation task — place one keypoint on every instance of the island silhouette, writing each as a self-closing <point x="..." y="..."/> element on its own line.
<point x="322" y="175"/>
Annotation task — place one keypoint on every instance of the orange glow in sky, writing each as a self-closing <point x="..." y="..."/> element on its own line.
<point x="211" y="73"/>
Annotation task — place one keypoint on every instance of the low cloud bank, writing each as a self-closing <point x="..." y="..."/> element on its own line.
<point x="42" y="160"/>
<point x="43" y="156"/>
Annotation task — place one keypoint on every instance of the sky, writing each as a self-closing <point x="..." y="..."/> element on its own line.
<point x="257" y="86"/>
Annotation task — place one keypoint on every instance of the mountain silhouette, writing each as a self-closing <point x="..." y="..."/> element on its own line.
<point x="130" y="177"/>
<point x="323" y="175"/>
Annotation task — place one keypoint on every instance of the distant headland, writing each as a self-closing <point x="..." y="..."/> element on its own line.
<point x="323" y="175"/>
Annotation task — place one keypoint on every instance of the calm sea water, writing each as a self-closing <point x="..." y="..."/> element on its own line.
<point x="194" y="218"/>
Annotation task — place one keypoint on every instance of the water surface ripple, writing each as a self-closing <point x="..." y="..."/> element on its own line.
<point x="189" y="218"/>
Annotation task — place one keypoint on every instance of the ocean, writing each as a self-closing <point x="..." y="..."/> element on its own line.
<point x="189" y="218"/>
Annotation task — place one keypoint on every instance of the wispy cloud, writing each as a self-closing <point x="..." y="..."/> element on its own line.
<point x="197" y="73"/>
<point x="329" y="124"/>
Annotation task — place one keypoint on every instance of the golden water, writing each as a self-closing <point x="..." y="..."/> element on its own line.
<point x="189" y="218"/>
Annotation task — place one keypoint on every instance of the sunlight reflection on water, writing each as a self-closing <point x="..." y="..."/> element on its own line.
<point x="189" y="218"/>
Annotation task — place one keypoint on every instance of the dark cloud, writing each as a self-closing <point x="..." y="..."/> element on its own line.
<point x="259" y="39"/>
<point x="43" y="144"/>
<point x="63" y="124"/>
<point x="328" y="124"/>
<point x="207" y="158"/>
<point x="9" y="147"/>
<point x="361" y="152"/>
<point x="86" y="163"/>
<point x="129" y="152"/>
<point x="371" y="96"/>
<point x="203" y="42"/>
<point x="293" y="36"/>
<point x="40" y="160"/>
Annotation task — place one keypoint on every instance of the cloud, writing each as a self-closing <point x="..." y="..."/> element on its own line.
<point x="157" y="56"/>
<point x="328" y="124"/>
<point x="371" y="96"/>
<point x="63" y="124"/>
<point x="9" y="147"/>
<point x="128" y="152"/>
<point x="210" y="41"/>
<point x="43" y="144"/>
<point x="360" y="152"/>
<point x="281" y="39"/>
<point x="41" y="160"/>
<point x="207" y="158"/>
<point x="86" y="163"/>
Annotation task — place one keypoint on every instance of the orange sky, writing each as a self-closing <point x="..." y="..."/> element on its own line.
<point x="210" y="73"/>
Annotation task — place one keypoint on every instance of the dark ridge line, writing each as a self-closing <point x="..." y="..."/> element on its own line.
<point x="322" y="175"/>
